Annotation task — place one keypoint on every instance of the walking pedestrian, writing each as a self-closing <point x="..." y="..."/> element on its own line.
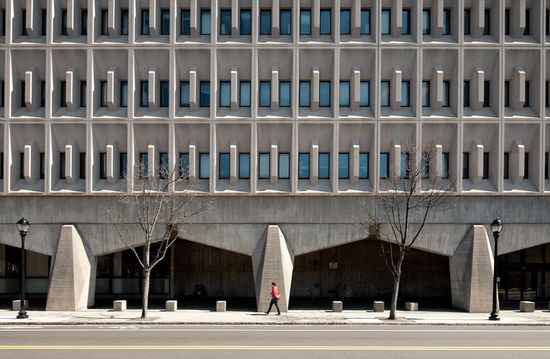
<point x="275" y="297"/>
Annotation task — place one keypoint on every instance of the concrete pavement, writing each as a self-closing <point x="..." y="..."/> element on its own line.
<point x="299" y="317"/>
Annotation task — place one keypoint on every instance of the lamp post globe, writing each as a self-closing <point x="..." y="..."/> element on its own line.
<point x="496" y="227"/>
<point x="23" y="226"/>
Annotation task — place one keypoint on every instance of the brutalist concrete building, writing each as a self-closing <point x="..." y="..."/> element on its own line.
<point x="290" y="113"/>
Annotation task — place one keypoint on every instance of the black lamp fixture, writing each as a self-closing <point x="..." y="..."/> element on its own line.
<point x="496" y="227"/>
<point x="23" y="226"/>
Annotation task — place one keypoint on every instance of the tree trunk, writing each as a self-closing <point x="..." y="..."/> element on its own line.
<point x="145" y="298"/>
<point x="396" y="280"/>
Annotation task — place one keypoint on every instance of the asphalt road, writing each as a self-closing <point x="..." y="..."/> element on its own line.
<point x="380" y="341"/>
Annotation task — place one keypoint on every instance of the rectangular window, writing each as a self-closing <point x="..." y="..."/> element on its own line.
<point x="265" y="22"/>
<point x="24" y="24"/>
<point x="526" y="166"/>
<point x="527" y="30"/>
<point x="485" y="165"/>
<point x="344" y="94"/>
<point x="285" y="26"/>
<point x="284" y="165"/>
<point x="526" y="103"/>
<point x="404" y="166"/>
<point x="64" y="22"/>
<point x="165" y="22"/>
<point x="63" y="94"/>
<point x="21" y="165"/>
<point x="205" y="23"/>
<point x="506" y="93"/>
<point x="265" y="93"/>
<point x="507" y="22"/>
<point x="2" y="24"/>
<point x="102" y="165"/>
<point x="1" y="93"/>
<point x="425" y="162"/>
<point x="446" y="93"/>
<point x="324" y="93"/>
<point x="225" y="93"/>
<point x="465" y="165"/>
<point x="124" y="24"/>
<point x="205" y="94"/>
<point x="42" y="164"/>
<point x="506" y="169"/>
<point x="425" y="22"/>
<point x="263" y="165"/>
<point x="103" y="93"/>
<point x="305" y="22"/>
<point x="145" y="22"/>
<point x="386" y="22"/>
<point x="144" y="163"/>
<point x="405" y="93"/>
<point x="123" y="163"/>
<point x="445" y="165"/>
<point x="1" y="165"/>
<point x="284" y="93"/>
<point x="84" y="22"/>
<point x="144" y="91"/>
<point x="406" y="21"/>
<point x="22" y="87"/>
<point x="467" y="22"/>
<point x="104" y="22"/>
<point x="244" y="165"/>
<point x="446" y="22"/>
<point x="364" y="94"/>
<point x="82" y="168"/>
<point x="486" y="94"/>
<point x="363" y="165"/>
<point x="44" y="21"/>
<point x="305" y="92"/>
<point x="62" y="165"/>
<point x="385" y="94"/>
<point x="164" y="169"/>
<point x="185" y="22"/>
<point x="547" y="31"/>
<point x="225" y="22"/>
<point x="546" y="157"/>
<point x="224" y="166"/>
<point x="365" y="22"/>
<point x="384" y="165"/>
<point x="42" y="93"/>
<point x="345" y="22"/>
<point x="303" y="165"/>
<point x="343" y="165"/>
<point x="324" y="165"/>
<point x="466" y="94"/>
<point x="184" y="165"/>
<point x="246" y="22"/>
<point x="325" y="22"/>
<point x="164" y="93"/>
<point x="487" y="25"/>
<point x="425" y="93"/>
<point x="244" y="94"/>
<point x="204" y="165"/>
<point x="123" y="93"/>
<point x="184" y="93"/>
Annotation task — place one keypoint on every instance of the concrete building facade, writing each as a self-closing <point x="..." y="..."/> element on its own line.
<point x="291" y="113"/>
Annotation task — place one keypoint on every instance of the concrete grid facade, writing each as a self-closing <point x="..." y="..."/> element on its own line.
<point x="277" y="105"/>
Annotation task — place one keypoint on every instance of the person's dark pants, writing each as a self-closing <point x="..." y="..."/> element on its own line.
<point x="273" y="301"/>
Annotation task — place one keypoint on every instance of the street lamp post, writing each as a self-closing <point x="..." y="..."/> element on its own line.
<point x="496" y="227"/>
<point x="23" y="227"/>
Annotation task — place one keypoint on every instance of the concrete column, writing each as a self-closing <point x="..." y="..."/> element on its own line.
<point x="476" y="162"/>
<point x="477" y="88"/>
<point x="234" y="88"/>
<point x="192" y="170"/>
<point x="314" y="162"/>
<point x="113" y="165"/>
<point x="517" y="89"/>
<point x="34" y="17"/>
<point x="275" y="20"/>
<point x="72" y="162"/>
<point x="316" y="18"/>
<point x="72" y="89"/>
<point x="355" y="85"/>
<point x="194" y="20"/>
<point x="193" y="89"/>
<point x="31" y="163"/>
<point x="436" y="89"/>
<point x="154" y="18"/>
<point x="154" y="88"/>
<point x="113" y="89"/>
<point x="235" y="18"/>
<point x="395" y="161"/>
<point x="152" y="160"/>
<point x="315" y="79"/>
<point x="516" y="168"/>
<point x="72" y="18"/>
<point x="112" y="8"/>
<point x="395" y="88"/>
<point x="517" y="18"/>
<point x="356" y="18"/>
<point x="354" y="162"/>
<point x="272" y="261"/>
<point x="477" y="18"/>
<point x="233" y="162"/>
<point x="397" y="17"/>
<point x="274" y="163"/>
<point x="435" y="163"/>
<point x="471" y="270"/>
<point x="32" y="89"/>
<point x="437" y="18"/>
<point x="70" y="279"/>
<point x="274" y="88"/>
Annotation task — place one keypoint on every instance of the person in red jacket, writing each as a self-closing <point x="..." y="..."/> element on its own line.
<point x="274" y="298"/>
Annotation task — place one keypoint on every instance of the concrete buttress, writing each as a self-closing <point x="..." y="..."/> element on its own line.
<point x="273" y="261"/>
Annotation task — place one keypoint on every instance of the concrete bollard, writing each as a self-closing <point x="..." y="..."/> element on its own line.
<point x="16" y="305"/>
<point x="526" y="306"/>
<point x="411" y="306"/>
<point x="119" y="305"/>
<point x="378" y="306"/>
<point x="221" y="306"/>
<point x="337" y="306"/>
<point x="171" y="305"/>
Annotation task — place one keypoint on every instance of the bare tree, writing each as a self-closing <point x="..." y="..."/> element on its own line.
<point x="161" y="214"/>
<point x="403" y="205"/>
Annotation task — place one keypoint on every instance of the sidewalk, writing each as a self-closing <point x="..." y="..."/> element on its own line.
<point x="298" y="317"/>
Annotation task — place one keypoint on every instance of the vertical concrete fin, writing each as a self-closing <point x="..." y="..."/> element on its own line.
<point x="70" y="278"/>
<point x="272" y="261"/>
<point x="471" y="268"/>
